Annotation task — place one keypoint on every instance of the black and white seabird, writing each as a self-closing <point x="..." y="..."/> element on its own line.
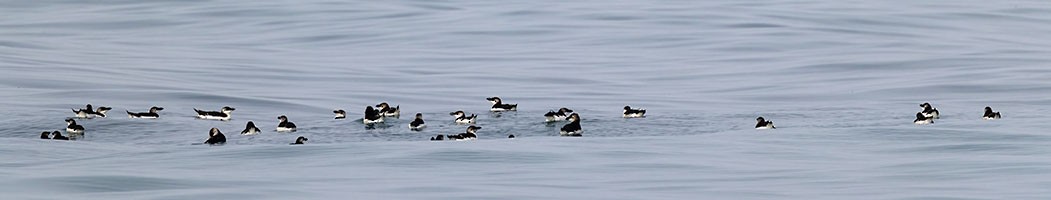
<point x="438" y="137"/>
<point x="761" y="123"/>
<point x="470" y="134"/>
<point x="340" y="114"/>
<point x="87" y="112"/>
<point x="573" y="128"/>
<point x="923" y="119"/>
<point x="417" y="124"/>
<point x="388" y="111"/>
<point x="73" y="128"/>
<point x="223" y="115"/>
<point x="929" y="110"/>
<point x="462" y="118"/>
<point x="58" y="136"/>
<point x="511" y="136"/>
<point x="285" y="125"/>
<point x="250" y="129"/>
<point x="499" y="106"/>
<point x="990" y="115"/>
<point x="561" y="115"/>
<point x="633" y="113"/>
<point x="300" y="140"/>
<point x="45" y="135"/>
<point x="372" y="116"/>
<point x="152" y="114"/>
<point x="215" y="137"/>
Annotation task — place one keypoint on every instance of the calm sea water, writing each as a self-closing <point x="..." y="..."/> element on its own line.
<point x="842" y="79"/>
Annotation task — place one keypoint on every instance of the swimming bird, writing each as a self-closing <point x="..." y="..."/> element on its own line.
<point x="87" y="112"/>
<point x="73" y="128"/>
<point x="45" y="135"/>
<point x="58" y="136"/>
<point x="285" y="125"/>
<point x="84" y="112"/>
<point x="929" y="110"/>
<point x="462" y="118"/>
<point x="923" y="119"/>
<point x="470" y="134"/>
<point x="215" y="137"/>
<point x="633" y="113"/>
<point x="340" y="114"/>
<point x="152" y="114"/>
<point x="439" y="137"/>
<point x="561" y="115"/>
<point x="761" y="123"/>
<point x="372" y="116"/>
<point x="417" y="124"/>
<point x="300" y="140"/>
<point x="387" y="111"/>
<point x="573" y="128"/>
<point x="512" y="136"/>
<point x="222" y="115"/>
<point x="499" y="106"/>
<point x="990" y="115"/>
<point x="250" y="129"/>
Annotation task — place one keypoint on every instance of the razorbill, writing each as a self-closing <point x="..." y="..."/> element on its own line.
<point x="633" y="113"/>
<point x="251" y="129"/>
<point x="462" y="118"/>
<point x="761" y="123"/>
<point x="300" y="140"/>
<point x="470" y="134"/>
<point x="222" y="115"/>
<point x="372" y="116"/>
<point x="215" y="137"/>
<point x="73" y="128"/>
<point x="417" y="124"/>
<point x="388" y="111"/>
<point x="561" y="115"/>
<point x="573" y="128"/>
<point x="285" y="125"/>
<point x="499" y="106"/>
<point x="990" y="115"/>
<point x="152" y="114"/>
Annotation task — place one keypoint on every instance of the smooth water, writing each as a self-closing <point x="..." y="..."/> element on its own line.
<point x="841" y="79"/>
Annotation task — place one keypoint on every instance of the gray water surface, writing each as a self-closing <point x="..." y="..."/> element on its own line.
<point x="841" y="79"/>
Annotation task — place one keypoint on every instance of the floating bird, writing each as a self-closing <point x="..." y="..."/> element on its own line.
<point x="300" y="140"/>
<point x="990" y="115"/>
<point x="499" y="106"/>
<point x="470" y="134"/>
<point x="73" y="128"/>
<point x="58" y="136"/>
<point x="251" y="129"/>
<point x="372" y="116"/>
<point x="761" y="123"/>
<point x="285" y="125"/>
<point x="923" y="119"/>
<point x="340" y="114"/>
<point x="439" y="137"/>
<point x="633" y="113"/>
<point x="152" y="114"/>
<point x="462" y="118"/>
<point x="215" y="137"/>
<point x="512" y="136"/>
<point x="929" y="110"/>
<point x="388" y="111"/>
<point x="87" y="112"/>
<point x="561" y="115"/>
<point x="222" y="115"/>
<point x="573" y="128"/>
<point x="45" y="135"/>
<point x="417" y="124"/>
